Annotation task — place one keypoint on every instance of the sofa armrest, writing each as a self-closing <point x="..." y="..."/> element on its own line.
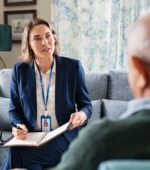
<point x="4" y="116"/>
<point x="125" y="165"/>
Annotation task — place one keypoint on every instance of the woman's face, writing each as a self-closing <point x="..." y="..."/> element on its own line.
<point x="41" y="41"/>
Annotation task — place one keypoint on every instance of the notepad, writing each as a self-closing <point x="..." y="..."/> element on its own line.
<point x="36" y="139"/>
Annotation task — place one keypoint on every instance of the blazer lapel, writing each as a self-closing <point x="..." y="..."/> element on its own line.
<point x="59" y="88"/>
<point x="32" y="88"/>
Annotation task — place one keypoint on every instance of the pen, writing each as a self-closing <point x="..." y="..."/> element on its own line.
<point x="70" y="126"/>
<point x="14" y="125"/>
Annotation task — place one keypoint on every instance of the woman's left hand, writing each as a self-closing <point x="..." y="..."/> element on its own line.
<point x="77" y="119"/>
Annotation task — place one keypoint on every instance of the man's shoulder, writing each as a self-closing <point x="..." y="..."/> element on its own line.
<point x="147" y="111"/>
<point x="107" y="127"/>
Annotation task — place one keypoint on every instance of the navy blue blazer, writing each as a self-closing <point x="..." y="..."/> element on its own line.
<point x="70" y="91"/>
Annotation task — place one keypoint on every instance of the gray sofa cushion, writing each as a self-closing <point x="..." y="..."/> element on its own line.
<point x="5" y="78"/>
<point x="4" y="151"/>
<point x="98" y="89"/>
<point x="96" y="104"/>
<point x="4" y="118"/>
<point x="118" y="86"/>
<point x="113" y="108"/>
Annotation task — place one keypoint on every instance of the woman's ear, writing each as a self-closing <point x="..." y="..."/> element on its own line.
<point x="142" y="72"/>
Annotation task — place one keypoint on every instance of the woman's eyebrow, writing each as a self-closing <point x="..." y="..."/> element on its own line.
<point x="39" y="35"/>
<point x="34" y="36"/>
<point x="48" y="32"/>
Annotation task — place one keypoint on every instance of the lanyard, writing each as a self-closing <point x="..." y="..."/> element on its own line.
<point x="45" y="98"/>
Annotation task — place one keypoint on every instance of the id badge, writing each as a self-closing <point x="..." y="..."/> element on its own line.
<point x="46" y="123"/>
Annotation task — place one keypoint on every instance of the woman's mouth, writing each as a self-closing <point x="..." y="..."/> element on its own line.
<point x="46" y="49"/>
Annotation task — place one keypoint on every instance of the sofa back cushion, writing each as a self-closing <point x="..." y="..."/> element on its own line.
<point x="113" y="108"/>
<point x="5" y="78"/>
<point x="97" y="85"/>
<point x="118" y="86"/>
<point x="4" y="118"/>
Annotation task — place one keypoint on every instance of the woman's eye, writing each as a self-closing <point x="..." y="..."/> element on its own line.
<point x="36" y="38"/>
<point x="48" y="36"/>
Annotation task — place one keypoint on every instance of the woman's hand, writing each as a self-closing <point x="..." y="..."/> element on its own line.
<point x="77" y="119"/>
<point x="20" y="134"/>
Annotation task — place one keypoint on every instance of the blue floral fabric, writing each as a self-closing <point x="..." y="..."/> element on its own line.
<point x="95" y="31"/>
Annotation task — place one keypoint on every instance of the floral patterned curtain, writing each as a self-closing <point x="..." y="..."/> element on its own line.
<point x="95" y="31"/>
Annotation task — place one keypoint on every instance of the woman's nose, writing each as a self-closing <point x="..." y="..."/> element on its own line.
<point x="43" y="41"/>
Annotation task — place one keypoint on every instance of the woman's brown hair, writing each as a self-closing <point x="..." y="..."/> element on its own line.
<point x="27" y="53"/>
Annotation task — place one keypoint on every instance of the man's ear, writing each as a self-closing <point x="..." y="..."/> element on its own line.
<point x="142" y="71"/>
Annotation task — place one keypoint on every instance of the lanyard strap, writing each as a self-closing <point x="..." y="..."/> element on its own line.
<point x="45" y="98"/>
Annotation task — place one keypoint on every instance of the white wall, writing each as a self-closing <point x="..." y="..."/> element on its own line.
<point x="43" y="11"/>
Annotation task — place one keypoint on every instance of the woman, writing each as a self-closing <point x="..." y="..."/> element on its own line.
<point x="45" y="90"/>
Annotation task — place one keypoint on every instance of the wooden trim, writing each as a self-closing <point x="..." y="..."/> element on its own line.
<point x="31" y="2"/>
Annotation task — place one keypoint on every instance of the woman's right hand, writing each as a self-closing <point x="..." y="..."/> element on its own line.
<point x="20" y="134"/>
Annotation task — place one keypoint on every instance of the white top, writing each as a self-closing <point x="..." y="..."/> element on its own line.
<point x="51" y="98"/>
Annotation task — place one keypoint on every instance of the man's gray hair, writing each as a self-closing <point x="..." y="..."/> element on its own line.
<point x="139" y="38"/>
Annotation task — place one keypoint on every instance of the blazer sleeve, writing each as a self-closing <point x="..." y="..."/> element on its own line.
<point x="82" y="96"/>
<point x="15" y="109"/>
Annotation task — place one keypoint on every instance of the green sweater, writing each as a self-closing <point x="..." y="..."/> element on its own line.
<point x="109" y="139"/>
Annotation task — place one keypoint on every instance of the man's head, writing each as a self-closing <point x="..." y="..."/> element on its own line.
<point x="139" y="57"/>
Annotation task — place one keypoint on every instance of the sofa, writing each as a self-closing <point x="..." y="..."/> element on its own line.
<point x="109" y="94"/>
<point x="125" y="165"/>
